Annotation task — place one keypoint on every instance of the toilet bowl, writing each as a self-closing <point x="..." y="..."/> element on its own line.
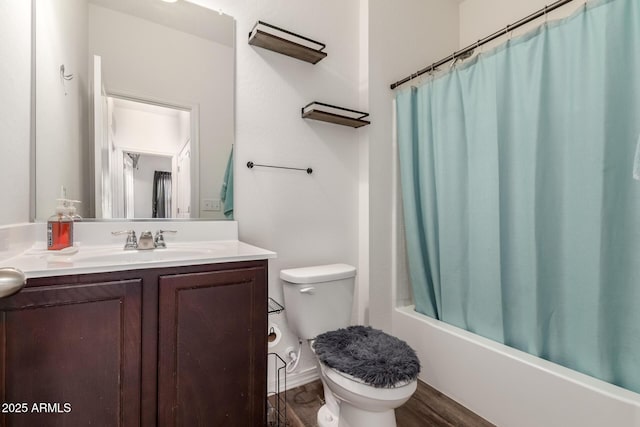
<point x="318" y="302"/>
<point x="357" y="403"/>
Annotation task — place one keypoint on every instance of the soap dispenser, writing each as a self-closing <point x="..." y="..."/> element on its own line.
<point x="72" y="211"/>
<point x="60" y="226"/>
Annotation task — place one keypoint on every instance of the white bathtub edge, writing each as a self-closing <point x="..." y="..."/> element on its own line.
<point x="507" y="386"/>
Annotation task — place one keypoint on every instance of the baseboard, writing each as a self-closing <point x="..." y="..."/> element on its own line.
<point x="296" y="379"/>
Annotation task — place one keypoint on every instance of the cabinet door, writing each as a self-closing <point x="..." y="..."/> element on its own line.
<point x="212" y="348"/>
<point x="71" y="353"/>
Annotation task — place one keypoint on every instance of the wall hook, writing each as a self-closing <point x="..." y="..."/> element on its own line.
<point x="65" y="77"/>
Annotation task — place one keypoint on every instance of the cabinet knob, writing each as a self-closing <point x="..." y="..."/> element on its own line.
<point x="12" y="281"/>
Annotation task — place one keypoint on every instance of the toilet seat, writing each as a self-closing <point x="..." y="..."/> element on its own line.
<point x="360" y="381"/>
<point x="359" y="387"/>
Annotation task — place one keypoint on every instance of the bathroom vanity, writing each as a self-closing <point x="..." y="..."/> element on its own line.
<point x="168" y="342"/>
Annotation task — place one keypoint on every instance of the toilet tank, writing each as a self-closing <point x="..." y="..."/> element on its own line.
<point x="318" y="299"/>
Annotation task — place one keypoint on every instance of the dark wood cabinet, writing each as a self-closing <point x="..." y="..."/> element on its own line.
<point x="75" y="347"/>
<point x="181" y="346"/>
<point x="212" y="344"/>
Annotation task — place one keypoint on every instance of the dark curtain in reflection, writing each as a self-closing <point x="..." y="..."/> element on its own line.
<point x="161" y="194"/>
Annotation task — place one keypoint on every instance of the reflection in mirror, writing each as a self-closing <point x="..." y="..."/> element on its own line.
<point x="134" y="108"/>
<point x="148" y="171"/>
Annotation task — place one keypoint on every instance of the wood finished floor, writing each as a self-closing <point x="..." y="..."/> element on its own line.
<point x="427" y="407"/>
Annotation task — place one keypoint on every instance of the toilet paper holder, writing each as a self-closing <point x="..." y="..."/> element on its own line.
<point x="273" y="335"/>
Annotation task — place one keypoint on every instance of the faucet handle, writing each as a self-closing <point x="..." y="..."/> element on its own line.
<point x="132" y="242"/>
<point x="159" y="239"/>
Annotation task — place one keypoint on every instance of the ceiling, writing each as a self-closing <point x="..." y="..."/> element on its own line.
<point x="182" y="16"/>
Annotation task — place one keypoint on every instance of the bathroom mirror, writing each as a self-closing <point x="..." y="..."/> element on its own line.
<point x="134" y="108"/>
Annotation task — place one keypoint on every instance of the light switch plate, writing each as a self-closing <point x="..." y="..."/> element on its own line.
<point x="210" y="204"/>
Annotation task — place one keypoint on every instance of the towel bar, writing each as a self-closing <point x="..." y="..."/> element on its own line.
<point x="250" y="165"/>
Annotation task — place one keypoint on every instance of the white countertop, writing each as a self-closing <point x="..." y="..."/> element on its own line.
<point x="97" y="250"/>
<point x="38" y="262"/>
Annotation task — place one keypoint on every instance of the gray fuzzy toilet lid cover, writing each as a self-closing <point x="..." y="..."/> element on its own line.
<point x="377" y="358"/>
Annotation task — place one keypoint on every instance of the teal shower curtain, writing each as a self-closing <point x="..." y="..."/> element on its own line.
<point x="522" y="215"/>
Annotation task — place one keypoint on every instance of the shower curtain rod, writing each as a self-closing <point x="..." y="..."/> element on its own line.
<point x="468" y="51"/>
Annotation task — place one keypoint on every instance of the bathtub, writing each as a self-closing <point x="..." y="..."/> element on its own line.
<point x="509" y="387"/>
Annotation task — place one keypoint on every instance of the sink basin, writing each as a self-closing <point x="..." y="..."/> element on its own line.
<point x="137" y="256"/>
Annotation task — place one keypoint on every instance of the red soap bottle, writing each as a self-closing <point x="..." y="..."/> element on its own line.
<point x="60" y="228"/>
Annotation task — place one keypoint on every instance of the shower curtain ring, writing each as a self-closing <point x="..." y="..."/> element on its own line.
<point x="510" y="31"/>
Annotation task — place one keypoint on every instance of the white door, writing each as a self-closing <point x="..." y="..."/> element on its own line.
<point x="102" y="184"/>
<point x="183" y="189"/>
<point x="128" y="186"/>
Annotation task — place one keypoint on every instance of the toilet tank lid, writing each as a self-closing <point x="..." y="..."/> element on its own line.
<point x="318" y="273"/>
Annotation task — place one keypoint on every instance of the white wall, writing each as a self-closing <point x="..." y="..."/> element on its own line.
<point x="134" y="59"/>
<point x="306" y="219"/>
<point x="404" y="36"/>
<point x="61" y="109"/>
<point x="147" y="131"/>
<point x="143" y="183"/>
<point x="361" y="296"/>
<point x="15" y="81"/>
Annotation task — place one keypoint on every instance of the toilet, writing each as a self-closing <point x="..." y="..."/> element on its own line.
<point x="318" y="303"/>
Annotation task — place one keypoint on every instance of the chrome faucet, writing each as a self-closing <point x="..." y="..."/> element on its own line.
<point x="131" y="242"/>
<point x="146" y="241"/>
<point x="159" y="239"/>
